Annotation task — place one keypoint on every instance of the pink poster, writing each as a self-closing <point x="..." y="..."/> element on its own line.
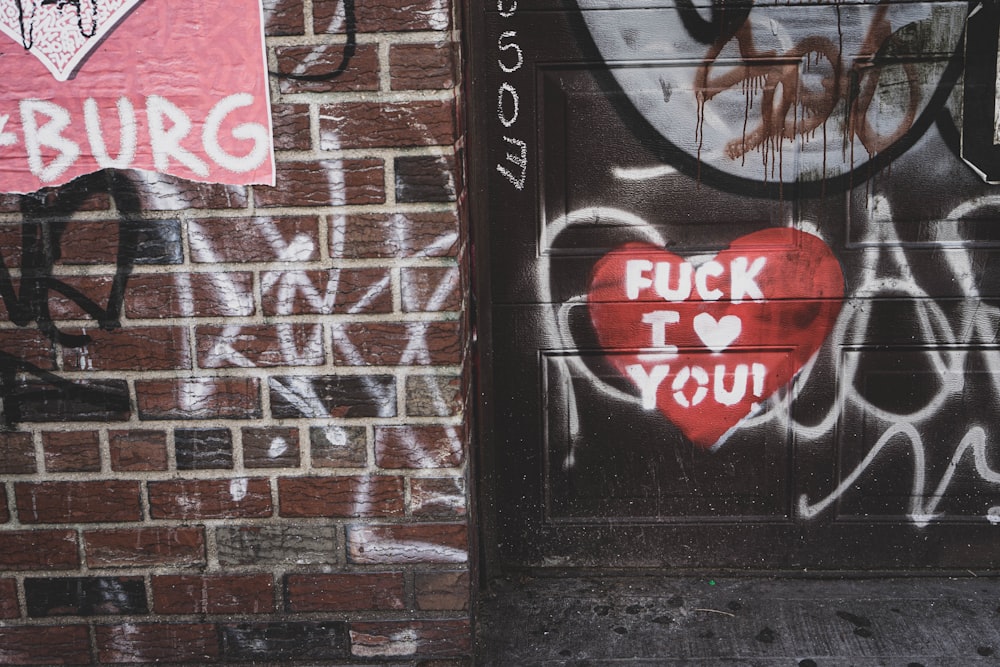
<point x="173" y="86"/>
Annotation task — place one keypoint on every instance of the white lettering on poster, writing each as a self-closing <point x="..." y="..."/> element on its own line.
<point x="50" y="150"/>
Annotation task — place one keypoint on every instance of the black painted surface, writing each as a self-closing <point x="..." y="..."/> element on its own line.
<point x="85" y="596"/>
<point x="879" y="456"/>
<point x="203" y="448"/>
<point x="298" y="640"/>
<point x="59" y="400"/>
<point x="336" y="396"/>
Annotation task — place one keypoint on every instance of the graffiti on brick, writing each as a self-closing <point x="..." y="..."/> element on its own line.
<point x="350" y="27"/>
<point x="29" y="391"/>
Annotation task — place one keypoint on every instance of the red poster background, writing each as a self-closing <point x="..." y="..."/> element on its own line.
<point x="187" y="77"/>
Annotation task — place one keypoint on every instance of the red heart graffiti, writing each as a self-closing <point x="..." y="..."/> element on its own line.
<point x="706" y="344"/>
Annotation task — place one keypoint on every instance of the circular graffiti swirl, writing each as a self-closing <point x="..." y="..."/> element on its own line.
<point x="775" y="100"/>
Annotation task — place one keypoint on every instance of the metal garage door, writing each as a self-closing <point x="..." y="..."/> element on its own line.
<point x="739" y="288"/>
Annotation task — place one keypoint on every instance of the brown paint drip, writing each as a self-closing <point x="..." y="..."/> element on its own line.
<point x="783" y="93"/>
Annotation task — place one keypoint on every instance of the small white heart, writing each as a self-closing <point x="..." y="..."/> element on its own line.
<point x="717" y="334"/>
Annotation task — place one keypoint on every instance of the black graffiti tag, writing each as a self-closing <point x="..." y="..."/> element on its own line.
<point x="350" y="48"/>
<point x="27" y="298"/>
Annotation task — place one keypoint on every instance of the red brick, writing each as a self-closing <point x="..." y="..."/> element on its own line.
<point x="394" y="235"/>
<point x="160" y="642"/>
<point x="442" y="591"/>
<point x="89" y="242"/>
<point x="434" y="395"/>
<point x="258" y="239"/>
<point x="29" y="345"/>
<point x="418" y="446"/>
<point x="383" y="16"/>
<point x="11" y="203"/>
<point x="344" y="592"/>
<point x="413" y="543"/>
<point x="199" y="398"/>
<point x="260" y="345"/>
<point x="158" y="296"/>
<point x="291" y="127"/>
<point x="138" y="450"/>
<point x="210" y="499"/>
<point x="8" y="599"/>
<point x="78" y="502"/>
<point x="159" y="192"/>
<point x="143" y="547"/>
<point x="340" y="496"/>
<point x="4" y="509"/>
<point x="45" y="645"/>
<point x="325" y="183"/>
<point x="431" y="289"/>
<point x="397" y="343"/>
<point x="422" y="66"/>
<point x="426" y="178"/>
<point x="437" y="496"/>
<point x="215" y="594"/>
<point x="270" y="447"/>
<point x="203" y="448"/>
<point x="386" y="125"/>
<point x="326" y="292"/>
<point x="440" y="638"/>
<point x="39" y="550"/>
<point x="95" y="288"/>
<point x="72" y="451"/>
<point x="338" y="446"/>
<point x="87" y="193"/>
<point x="17" y="453"/>
<point x="319" y="60"/>
<point x="134" y="348"/>
<point x="283" y="17"/>
<point x="155" y="242"/>
<point x="11" y="238"/>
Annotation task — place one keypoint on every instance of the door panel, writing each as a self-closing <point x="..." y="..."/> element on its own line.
<point x="742" y="302"/>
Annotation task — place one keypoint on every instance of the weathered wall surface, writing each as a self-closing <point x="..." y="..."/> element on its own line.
<point x="745" y="282"/>
<point x="234" y="416"/>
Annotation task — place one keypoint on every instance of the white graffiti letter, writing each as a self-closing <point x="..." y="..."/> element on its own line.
<point x="506" y="13"/>
<point x="166" y="143"/>
<point x="254" y="132"/>
<point x="512" y="93"/>
<point x="48" y="135"/>
<point x="128" y="135"/>
<point x="519" y="161"/>
<point x="507" y="47"/>
<point x="701" y="379"/>
<point x="683" y="289"/>
<point x="739" y="390"/>
<point x="710" y="268"/>
<point x="634" y="278"/>
<point x="648" y="383"/>
<point x="742" y="279"/>
<point x="659" y="319"/>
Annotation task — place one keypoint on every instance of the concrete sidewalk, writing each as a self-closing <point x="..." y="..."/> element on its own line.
<point x="648" y="621"/>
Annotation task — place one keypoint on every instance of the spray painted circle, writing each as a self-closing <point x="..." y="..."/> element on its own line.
<point x="782" y="94"/>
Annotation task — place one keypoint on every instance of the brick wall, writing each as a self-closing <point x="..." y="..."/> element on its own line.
<point x="235" y="425"/>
